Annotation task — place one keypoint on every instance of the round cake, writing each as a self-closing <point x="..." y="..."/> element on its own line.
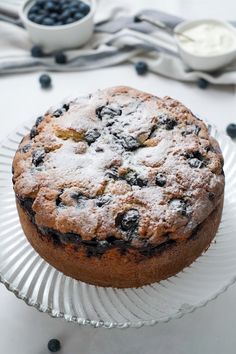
<point x="119" y="188"/>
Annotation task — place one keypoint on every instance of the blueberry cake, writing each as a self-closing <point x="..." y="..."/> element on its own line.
<point x="119" y="188"/>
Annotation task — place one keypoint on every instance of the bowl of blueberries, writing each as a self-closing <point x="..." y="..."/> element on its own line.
<point x="58" y="24"/>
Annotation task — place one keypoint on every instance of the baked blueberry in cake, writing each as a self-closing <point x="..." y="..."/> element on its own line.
<point x="119" y="188"/>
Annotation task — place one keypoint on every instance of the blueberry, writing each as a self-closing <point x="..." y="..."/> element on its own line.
<point x="59" y="112"/>
<point x="102" y="200"/>
<point x="167" y="121"/>
<point x="33" y="132"/>
<point x="57" y="9"/>
<point x="39" y="19"/>
<point x="202" y="83"/>
<point x="141" y="67"/>
<point x="130" y="143"/>
<point x="26" y="148"/>
<point x="64" y="6"/>
<point x="54" y="345"/>
<point x="43" y="13"/>
<point x="38" y="121"/>
<point x="128" y="220"/>
<point x="66" y="106"/>
<point x="231" y="130"/>
<point x="34" y="9"/>
<point x="60" y="58"/>
<point x="76" y="3"/>
<point x="196" y="129"/>
<point x="84" y="8"/>
<point x="37" y="51"/>
<point x="45" y="81"/>
<point x="211" y="196"/>
<point x="111" y="239"/>
<point x="70" y="237"/>
<point x="54" y="16"/>
<point x="69" y="20"/>
<point x="179" y="205"/>
<point x="195" y="163"/>
<point x="137" y="19"/>
<point x="160" y="180"/>
<point x="59" y="23"/>
<point x="92" y="135"/>
<point x="49" y="6"/>
<point x="47" y="21"/>
<point x="73" y="10"/>
<point x="64" y="2"/>
<point x="58" y="200"/>
<point x="41" y="3"/>
<point x="108" y="112"/>
<point x="32" y="16"/>
<point x="99" y="112"/>
<point x="78" y="16"/>
<point x="196" y="154"/>
<point x="210" y="148"/>
<point x="37" y="157"/>
<point x="112" y="173"/>
<point x="65" y="15"/>
<point x="133" y="179"/>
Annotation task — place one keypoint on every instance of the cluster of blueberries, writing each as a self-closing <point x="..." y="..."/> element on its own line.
<point x="57" y="12"/>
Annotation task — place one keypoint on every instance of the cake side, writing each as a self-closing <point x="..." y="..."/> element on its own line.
<point x="122" y="270"/>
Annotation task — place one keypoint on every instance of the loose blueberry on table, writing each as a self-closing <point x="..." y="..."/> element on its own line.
<point x="231" y="130"/>
<point x="60" y="58"/>
<point x="141" y="67"/>
<point x="45" y="81"/>
<point x="54" y="345"/>
<point x="202" y="83"/>
<point x="57" y="12"/>
<point x="137" y="19"/>
<point x="37" y="51"/>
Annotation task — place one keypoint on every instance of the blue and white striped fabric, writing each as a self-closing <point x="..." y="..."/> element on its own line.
<point x="116" y="39"/>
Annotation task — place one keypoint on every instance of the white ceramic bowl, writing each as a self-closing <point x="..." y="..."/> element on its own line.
<point x="53" y="38"/>
<point x="204" y="63"/>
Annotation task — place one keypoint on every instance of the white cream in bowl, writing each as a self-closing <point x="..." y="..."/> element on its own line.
<point x="208" y="39"/>
<point x="213" y="44"/>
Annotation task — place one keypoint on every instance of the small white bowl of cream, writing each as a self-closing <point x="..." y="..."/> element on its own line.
<point x="206" y="45"/>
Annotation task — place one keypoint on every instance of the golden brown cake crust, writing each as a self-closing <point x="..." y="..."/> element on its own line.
<point x="123" y="271"/>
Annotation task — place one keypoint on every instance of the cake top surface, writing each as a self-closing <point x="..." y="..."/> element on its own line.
<point x="120" y="163"/>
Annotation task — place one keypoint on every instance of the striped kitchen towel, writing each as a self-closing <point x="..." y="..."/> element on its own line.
<point x="117" y="39"/>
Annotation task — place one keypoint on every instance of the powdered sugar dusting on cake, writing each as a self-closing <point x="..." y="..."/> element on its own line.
<point x="145" y="154"/>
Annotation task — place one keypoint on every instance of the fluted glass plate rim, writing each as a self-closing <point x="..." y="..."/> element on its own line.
<point x="230" y="156"/>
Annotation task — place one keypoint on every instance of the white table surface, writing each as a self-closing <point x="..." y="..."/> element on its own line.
<point x="209" y="330"/>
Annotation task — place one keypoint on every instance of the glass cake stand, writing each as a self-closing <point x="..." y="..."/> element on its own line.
<point x="40" y="285"/>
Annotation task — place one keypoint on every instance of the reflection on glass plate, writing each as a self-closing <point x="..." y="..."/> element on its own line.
<point x="33" y="280"/>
